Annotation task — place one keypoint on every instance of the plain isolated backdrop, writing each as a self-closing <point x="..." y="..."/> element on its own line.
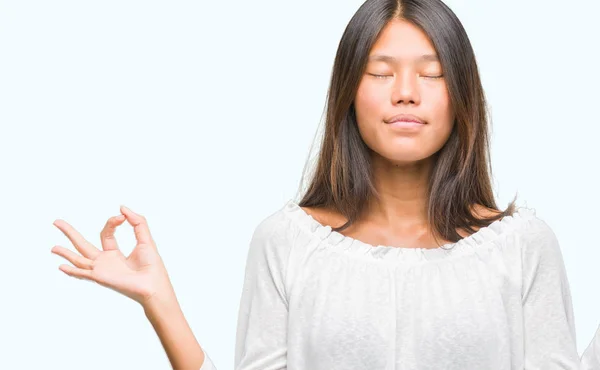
<point x="200" y="115"/>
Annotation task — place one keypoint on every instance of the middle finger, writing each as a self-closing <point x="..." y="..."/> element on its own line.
<point x="83" y="246"/>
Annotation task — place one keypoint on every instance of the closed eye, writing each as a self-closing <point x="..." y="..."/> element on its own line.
<point x="384" y="76"/>
<point x="379" y="76"/>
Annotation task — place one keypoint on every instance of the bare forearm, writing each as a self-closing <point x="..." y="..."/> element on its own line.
<point x="174" y="333"/>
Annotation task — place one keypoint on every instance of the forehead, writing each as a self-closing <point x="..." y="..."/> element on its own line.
<point x="402" y="40"/>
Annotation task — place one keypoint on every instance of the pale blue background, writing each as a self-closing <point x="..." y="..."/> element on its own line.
<point x="200" y="116"/>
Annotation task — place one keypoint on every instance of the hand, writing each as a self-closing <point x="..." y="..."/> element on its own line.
<point x="141" y="276"/>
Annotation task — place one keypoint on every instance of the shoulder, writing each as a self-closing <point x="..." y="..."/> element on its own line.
<point x="273" y="234"/>
<point x="538" y="234"/>
<point x="325" y="216"/>
<point x="274" y="225"/>
<point x="539" y="244"/>
<point x="533" y="232"/>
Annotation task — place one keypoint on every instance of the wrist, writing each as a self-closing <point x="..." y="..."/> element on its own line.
<point x="160" y="304"/>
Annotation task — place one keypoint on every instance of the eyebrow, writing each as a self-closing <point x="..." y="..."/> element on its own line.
<point x="391" y="59"/>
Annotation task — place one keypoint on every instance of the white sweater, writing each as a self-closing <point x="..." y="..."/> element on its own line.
<point x="314" y="299"/>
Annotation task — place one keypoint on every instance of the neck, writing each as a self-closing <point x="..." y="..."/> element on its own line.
<point x="402" y="190"/>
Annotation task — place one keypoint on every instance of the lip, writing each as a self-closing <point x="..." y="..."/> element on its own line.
<point x="405" y="118"/>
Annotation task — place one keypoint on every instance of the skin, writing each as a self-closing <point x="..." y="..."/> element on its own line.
<point x="402" y="159"/>
<point x="140" y="276"/>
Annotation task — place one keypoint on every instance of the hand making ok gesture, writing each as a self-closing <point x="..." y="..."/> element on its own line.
<point x="140" y="276"/>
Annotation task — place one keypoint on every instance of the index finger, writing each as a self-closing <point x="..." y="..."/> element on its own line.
<point x="140" y="226"/>
<point x="107" y="235"/>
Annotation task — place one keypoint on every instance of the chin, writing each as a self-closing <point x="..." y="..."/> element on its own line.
<point x="405" y="157"/>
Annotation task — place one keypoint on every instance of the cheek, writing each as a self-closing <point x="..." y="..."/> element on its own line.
<point x="442" y="108"/>
<point x="441" y="114"/>
<point x="368" y="103"/>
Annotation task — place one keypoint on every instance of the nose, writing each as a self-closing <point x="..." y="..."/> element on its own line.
<point x="406" y="89"/>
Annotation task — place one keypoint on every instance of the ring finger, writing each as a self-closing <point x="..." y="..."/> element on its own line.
<point x="74" y="258"/>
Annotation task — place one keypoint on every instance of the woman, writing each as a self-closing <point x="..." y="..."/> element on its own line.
<point x="397" y="256"/>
